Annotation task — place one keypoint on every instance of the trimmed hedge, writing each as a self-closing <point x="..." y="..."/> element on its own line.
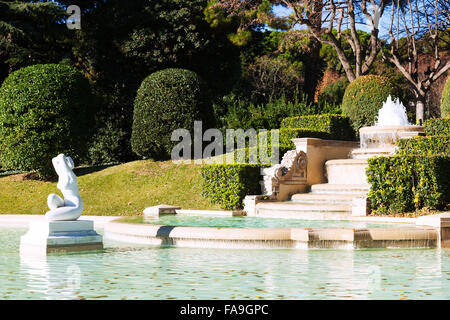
<point x="445" y="100"/>
<point x="167" y="100"/>
<point x="364" y="97"/>
<point x="227" y="185"/>
<point x="45" y="110"/>
<point x="287" y="134"/>
<point x="284" y="144"/>
<point x="425" y="146"/>
<point x="335" y="125"/>
<point x="406" y="183"/>
<point x="437" y="127"/>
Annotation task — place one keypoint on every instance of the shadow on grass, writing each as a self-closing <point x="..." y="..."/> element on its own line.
<point x="4" y="173"/>
<point x="80" y="171"/>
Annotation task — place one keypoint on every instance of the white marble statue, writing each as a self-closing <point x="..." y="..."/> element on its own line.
<point x="71" y="207"/>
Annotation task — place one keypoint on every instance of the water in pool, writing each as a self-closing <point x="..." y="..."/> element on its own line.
<point x="254" y="222"/>
<point x="125" y="271"/>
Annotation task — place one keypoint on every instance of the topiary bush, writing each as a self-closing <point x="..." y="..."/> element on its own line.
<point x="167" y="100"/>
<point x="44" y="110"/>
<point x="227" y="185"/>
<point x="445" y="100"/>
<point x="364" y="97"/>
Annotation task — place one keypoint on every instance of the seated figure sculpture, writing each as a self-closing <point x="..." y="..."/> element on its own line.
<point x="71" y="207"/>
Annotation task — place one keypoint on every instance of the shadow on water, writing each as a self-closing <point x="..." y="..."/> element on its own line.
<point x="164" y="231"/>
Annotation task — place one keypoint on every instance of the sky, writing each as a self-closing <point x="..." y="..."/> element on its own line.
<point x="383" y="27"/>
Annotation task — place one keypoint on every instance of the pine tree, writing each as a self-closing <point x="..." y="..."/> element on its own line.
<point x="31" y="33"/>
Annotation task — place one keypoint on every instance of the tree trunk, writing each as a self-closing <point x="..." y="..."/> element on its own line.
<point x="312" y="68"/>
<point x="420" y="110"/>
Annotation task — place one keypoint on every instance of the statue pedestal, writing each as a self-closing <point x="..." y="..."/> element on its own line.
<point x="47" y="237"/>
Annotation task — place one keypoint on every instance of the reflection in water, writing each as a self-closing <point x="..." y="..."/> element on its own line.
<point x="54" y="277"/>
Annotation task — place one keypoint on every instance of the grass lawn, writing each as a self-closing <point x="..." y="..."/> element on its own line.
<point x="124" y="189"/>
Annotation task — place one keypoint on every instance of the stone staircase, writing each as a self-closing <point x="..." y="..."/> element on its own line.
<point x="343" y="196"/>
<point x="332" y="200"/>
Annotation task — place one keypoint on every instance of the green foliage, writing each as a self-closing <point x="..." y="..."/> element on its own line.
<point x="334" y="92"/>
<point x="425" y="146"/>
<point x="262" y="153"/>
<point x="165" y="31"/>
<point x="437" y="127"/>
<point x="236" y="112"/>
<point x="44" y="110"/>
<point x="364" y="97"/>
<point x="31" y="33"/>
<point x="227" y="185"/>
<point x="106" y="145"/>
<point x="167" y="100"/>
<point x="240" y="38"/>
<point x="445" y="100"/>
<point x="262" y="44"/>
<point x="273" y="77"/>
<point x="329" y="55"/>
<point x="216" y="17"/>
<point x="244" y="114"/>
<point x="331" y="127"/>
<point x="276" y="63"/>
<point x="285" y="136"/>
<point x="122" y="42"/>
<point x="405" y="183"/>
<point x="337" y="126"/>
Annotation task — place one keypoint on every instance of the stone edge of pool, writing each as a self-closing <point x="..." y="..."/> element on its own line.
<point x="276" y="238"/>
<point x="429" y="232"/>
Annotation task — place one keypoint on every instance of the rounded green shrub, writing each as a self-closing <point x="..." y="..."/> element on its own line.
<point x="45" y="110"/>
<point x="167" y="100"/>
<point x="445" y="100"/>
<point x="364" y="97"/>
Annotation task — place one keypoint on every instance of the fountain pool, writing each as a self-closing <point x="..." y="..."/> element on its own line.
<point x="251" y="222"/>
<point x="130" y="271"/>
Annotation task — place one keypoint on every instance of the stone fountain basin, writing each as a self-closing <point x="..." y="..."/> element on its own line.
<point x="401" y="130"/>
<point x="274" y="238"/>
<point x="385" y="137"/>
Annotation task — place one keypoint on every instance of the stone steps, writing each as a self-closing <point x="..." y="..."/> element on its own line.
<point x="374" y="152"/>
<point x="346" y="171"/>
<point x="296" y="210"/>
<point x="315" y="198"/>
<point x="350" y="189"/>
